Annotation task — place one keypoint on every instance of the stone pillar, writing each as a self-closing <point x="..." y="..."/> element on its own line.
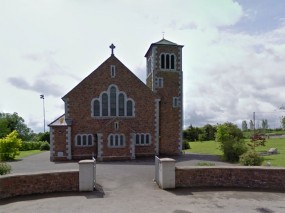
<point x="87" y="175"/>
<point x="167" y="173"/>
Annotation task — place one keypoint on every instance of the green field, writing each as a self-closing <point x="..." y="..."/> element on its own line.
<point x="212" y="147"/>
<point x="24" y="154"/>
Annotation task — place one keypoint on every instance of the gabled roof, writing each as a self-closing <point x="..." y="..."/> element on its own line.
<point x="60" y="121"/>
<point x="162" y="42"/>
<point x="95" y="74"/>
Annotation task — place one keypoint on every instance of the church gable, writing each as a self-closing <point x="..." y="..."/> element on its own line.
<point x="112" y="71"/>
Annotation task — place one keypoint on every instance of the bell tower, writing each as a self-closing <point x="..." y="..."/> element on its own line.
<point x="165" y="78"/>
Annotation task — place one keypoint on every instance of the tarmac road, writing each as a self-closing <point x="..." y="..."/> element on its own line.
<point x="128" y="187"/>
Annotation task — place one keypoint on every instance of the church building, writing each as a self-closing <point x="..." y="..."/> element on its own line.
<point x="113" y="115"/>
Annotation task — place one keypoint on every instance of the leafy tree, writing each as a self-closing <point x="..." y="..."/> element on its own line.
<point x="251" y="125"/>
<point x="4" y="129"/>
<point x="43" y="137"/>
<point x="283" y="122"/>
<point x="244" y="126"/>
<point x="209" y="132"/>
<point x="9" y="146"/>
<point x="264" y="124"/>
<point x="15" y="122"/>
<point x="191" y="133"/>
<point x="231" y="141"/>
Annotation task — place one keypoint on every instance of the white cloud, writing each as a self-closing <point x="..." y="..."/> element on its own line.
<point x="51" y="46"/>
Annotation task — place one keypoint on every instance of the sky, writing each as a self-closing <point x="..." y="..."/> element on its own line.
<point x="233" y="55"/>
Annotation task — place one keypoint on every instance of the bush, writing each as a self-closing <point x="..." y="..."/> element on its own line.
<point x="31" y="145"/>
<point x="45" y="146"/>
<point x="9" y="146"/>
<point x="251" y="158"/>
<point x="186" y="145"/>
<point x="232" y="143"/>
<point x="4" y="168"/>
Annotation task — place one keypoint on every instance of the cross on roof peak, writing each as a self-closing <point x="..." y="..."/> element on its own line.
<point x="112" y="46"/>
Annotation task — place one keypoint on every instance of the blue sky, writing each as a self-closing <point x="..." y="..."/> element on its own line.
<point x="233" y="55"/>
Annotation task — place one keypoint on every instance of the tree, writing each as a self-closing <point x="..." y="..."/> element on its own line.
<point x="244" y="126"/>
<point x="283" y="122"/>
<point x="4" y="129"/>
<point x="15" y="122"/>
<point x="231" y="141"/>
<point x="251" y="125"/>
<point x="43" y="137"/>
<point x="209" y="132"/>
<point x="264" y="124"/>
<point x="191" y="133"/>
<point x="9" y="146"/>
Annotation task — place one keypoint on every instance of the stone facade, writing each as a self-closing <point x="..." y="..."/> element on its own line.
<point x="148" y="124"/>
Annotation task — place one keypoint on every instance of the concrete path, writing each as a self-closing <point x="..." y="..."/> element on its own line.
<point x="128" y="187"/>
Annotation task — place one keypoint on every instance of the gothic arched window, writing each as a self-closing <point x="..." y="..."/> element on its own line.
<point x="112" y="102"/>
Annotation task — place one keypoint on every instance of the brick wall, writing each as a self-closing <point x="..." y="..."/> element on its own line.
<point x="25" y="184"/>
<point x="240" y="177"/>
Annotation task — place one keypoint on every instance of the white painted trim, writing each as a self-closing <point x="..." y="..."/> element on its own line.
<point x="119" y="140"/>
<point x="156" y="124"/>
<point x="100" y="145"/>
<point x="132" y="146"/>
<point x="51" y="135"/>
<point x="81" y="135"/>
<point x="167" y="69"/>
<point x="68" y="142"/>
<point x="144" y="134"/>
<point x="118" y="92"/>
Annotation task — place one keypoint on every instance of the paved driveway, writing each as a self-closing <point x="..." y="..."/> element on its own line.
<point x="128" y="187"/>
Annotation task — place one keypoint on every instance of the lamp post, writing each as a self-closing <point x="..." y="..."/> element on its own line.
<point x="43" y="97"/>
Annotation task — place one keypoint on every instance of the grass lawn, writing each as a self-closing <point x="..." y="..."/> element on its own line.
<point x="24" y="154"/>
<point x="212" y="147"/>
<point x="205" y="147"/>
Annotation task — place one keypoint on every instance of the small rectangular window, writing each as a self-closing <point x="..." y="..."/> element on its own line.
<point x="137" y="139"/>
<point x="78" y="140"/>
<point x="89" y="140"/>
<point x="84" y="140"/>
<point x="113" y="71"/>
<point x="147" y="139"/>
<point x="159" y="82"/>
<point x="176" y="102"/>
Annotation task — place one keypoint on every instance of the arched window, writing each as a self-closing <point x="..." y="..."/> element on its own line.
<point x="105" y="104"/>
<point x="113" y="101"/>
<point x="116" y="140"/>
<point x="96" y="108"/>
<point x="84" y="140"/>
<point x="143" y="139"/>
<point x="129" y="108"/>
<point x="167" y="61"/>
<point x="162" y="61"/>
<point x="172" y="62"/>
<point x="121" y="105"/>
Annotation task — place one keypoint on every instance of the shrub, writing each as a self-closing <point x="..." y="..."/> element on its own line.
<point x="9" y="146"/>
<point x="231" y="141"/>
<point x="251" y="158"/>
<point x="4" y="168"/>
<point x="45" y="146"/>
<point x="186" y="145"/>
<point x="31" y="145"/>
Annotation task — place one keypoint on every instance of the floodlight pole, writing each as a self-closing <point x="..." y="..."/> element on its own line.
<point x="253" y="123"/>
<point x="43" y="97"/>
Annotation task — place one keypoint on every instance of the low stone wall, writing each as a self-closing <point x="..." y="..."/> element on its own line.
<point x="42" y="182"/>
<point x="271" y="178"/>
